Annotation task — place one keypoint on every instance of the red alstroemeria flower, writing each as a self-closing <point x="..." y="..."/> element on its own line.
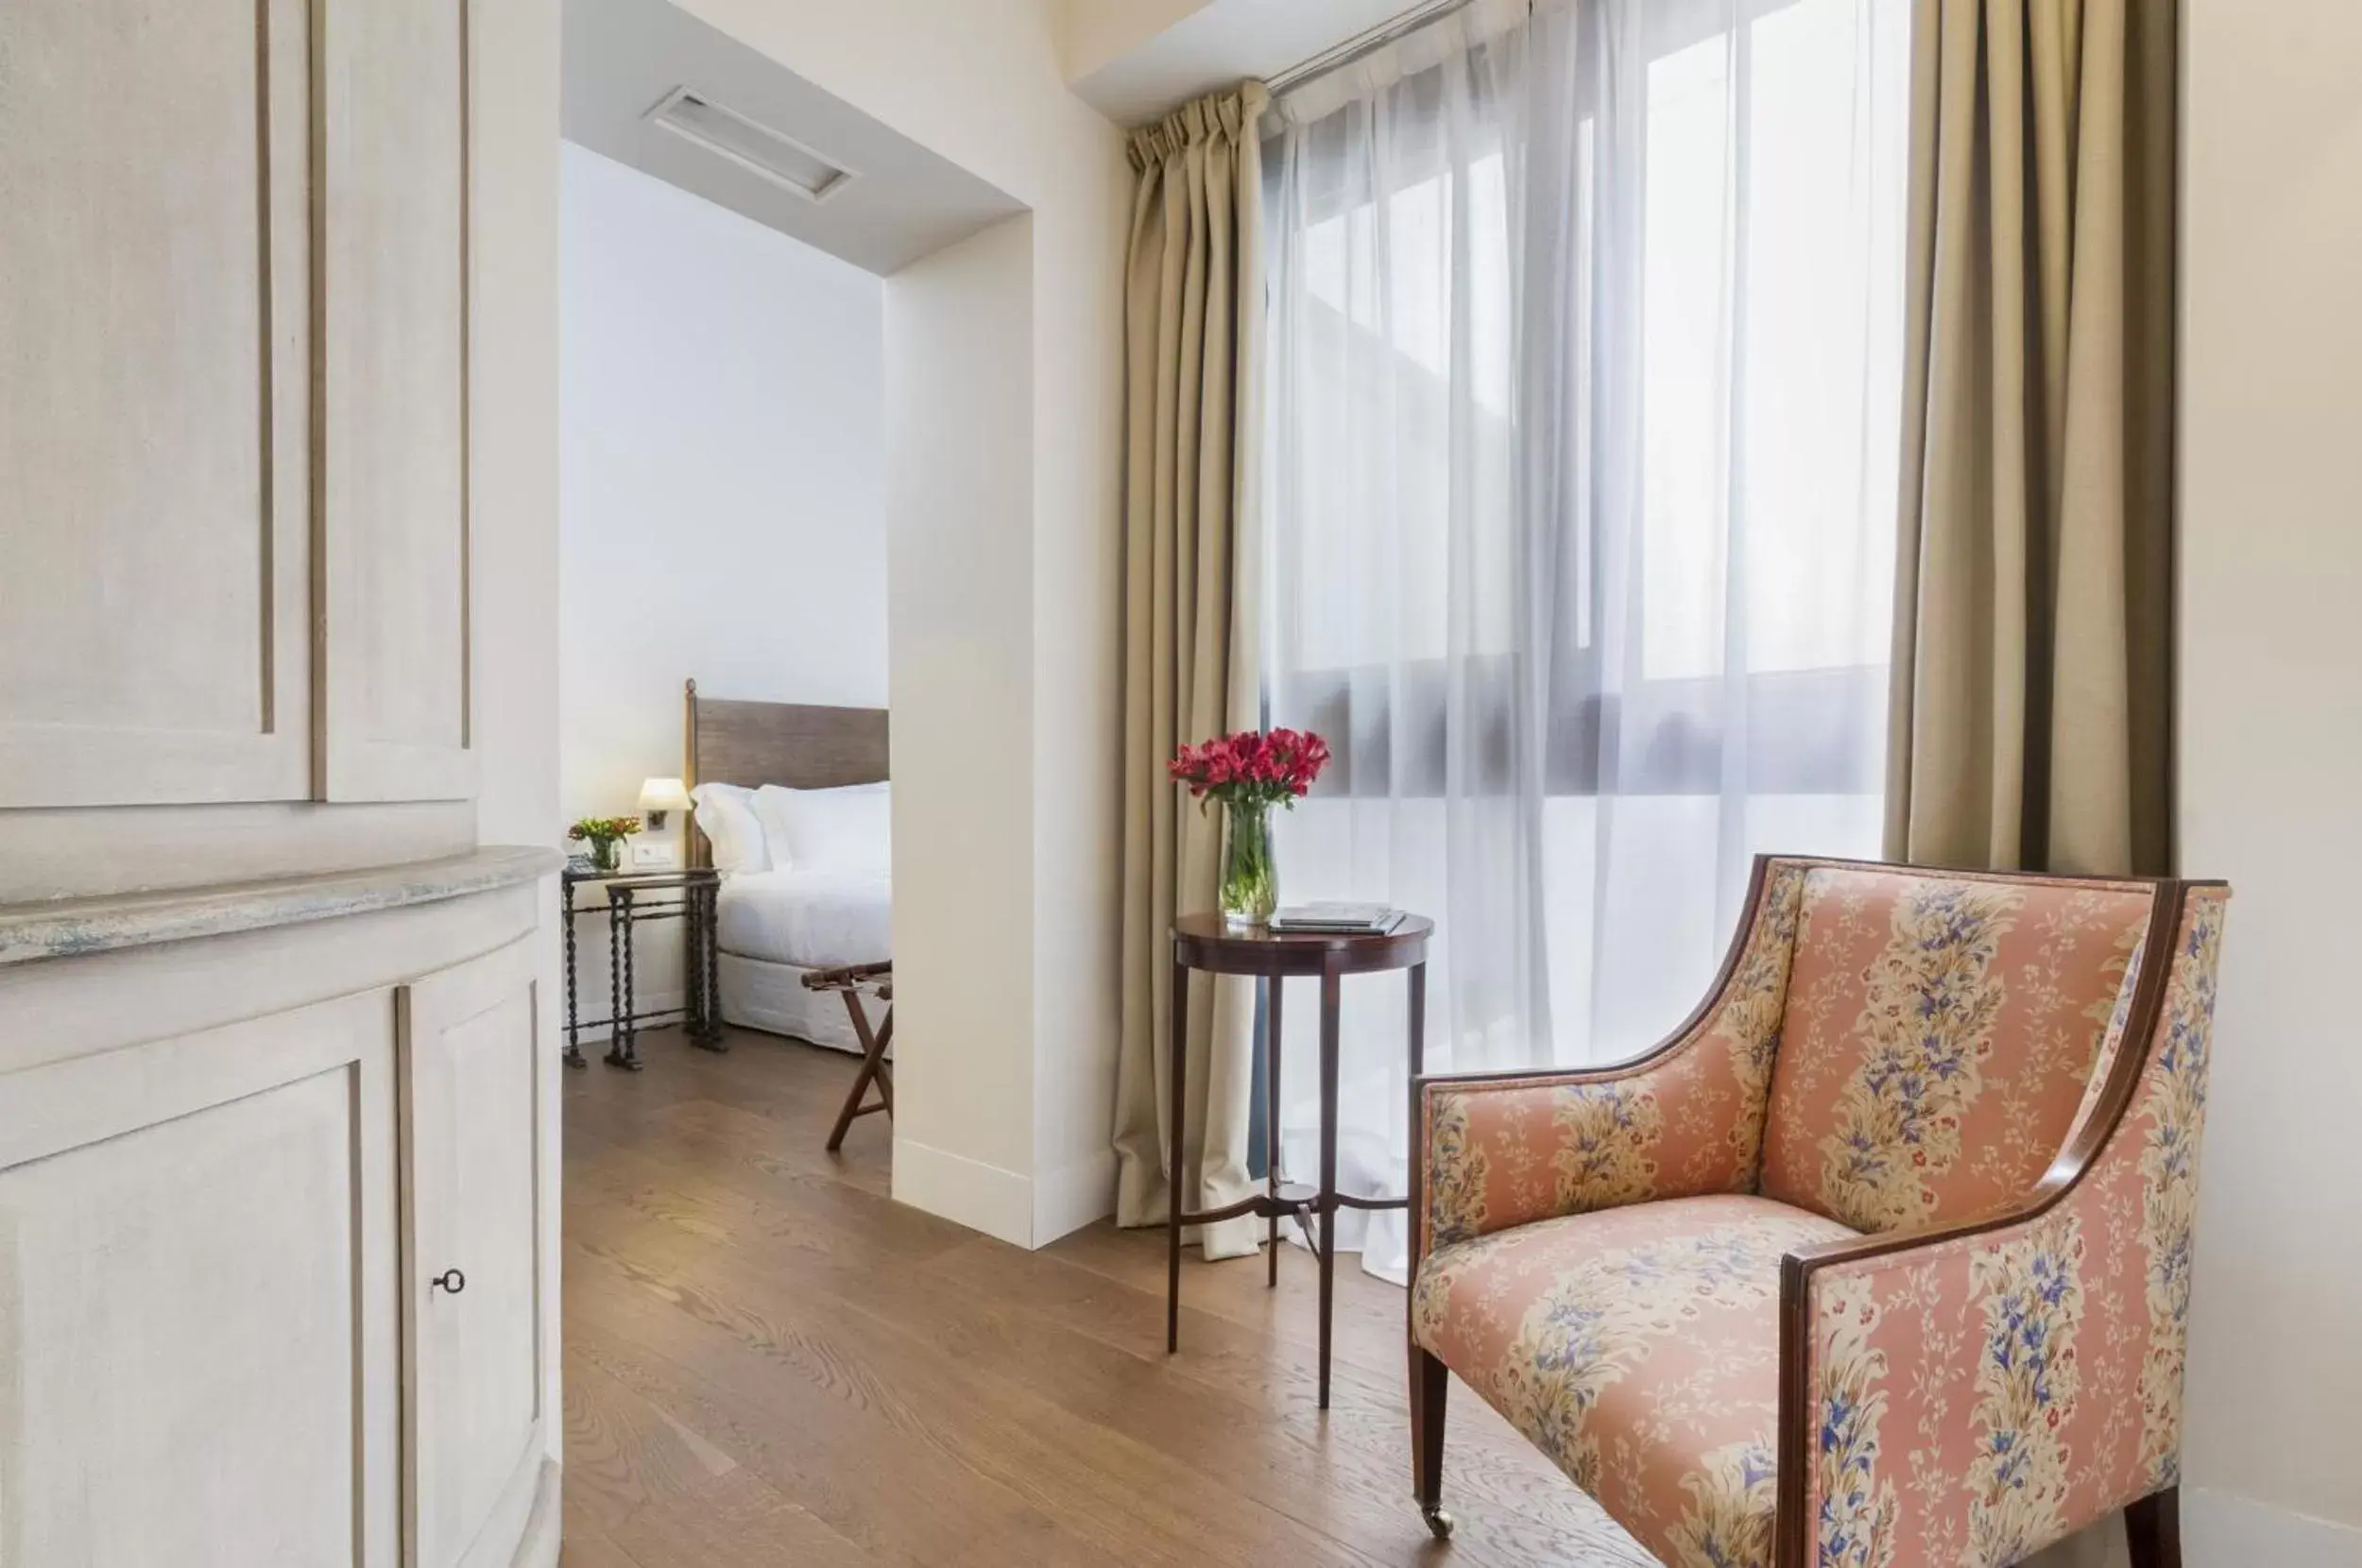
<point x="1251" y="766"/>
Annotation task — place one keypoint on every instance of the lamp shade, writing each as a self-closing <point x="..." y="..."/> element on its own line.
<point x="663" y="795"/>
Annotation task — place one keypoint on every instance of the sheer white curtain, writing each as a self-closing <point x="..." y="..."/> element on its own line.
<point x="1584" y="378"/>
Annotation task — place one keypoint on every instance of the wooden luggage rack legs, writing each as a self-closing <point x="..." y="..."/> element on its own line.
<point x="849" y="983"/>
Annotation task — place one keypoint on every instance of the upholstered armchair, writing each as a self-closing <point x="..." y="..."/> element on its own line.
<point x="1880" y="1261"/>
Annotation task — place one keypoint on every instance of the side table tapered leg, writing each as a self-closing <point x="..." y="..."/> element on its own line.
<point x="1329" y="1004"/>
<point x="574" y="1013"/>
<point x="1177" y="1162"/>
<point x="1278" y="986"/>
<point x="1418" y="1023"/>
<point x="615" y="985"/>
<point x="631" y="985"/>
<point x="692" y="965"/>
<point x="703" y="914"/>
<point x="621" y="1049"/>
<point x="713" y="968"/>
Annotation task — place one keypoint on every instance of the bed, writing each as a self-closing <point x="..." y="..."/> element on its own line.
<point x="775" y="927"/>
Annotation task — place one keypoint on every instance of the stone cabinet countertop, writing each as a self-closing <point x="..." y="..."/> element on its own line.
<point x="65" y="927"/>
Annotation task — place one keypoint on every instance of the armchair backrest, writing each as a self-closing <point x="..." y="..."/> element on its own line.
<point x="1938" y="1033"/>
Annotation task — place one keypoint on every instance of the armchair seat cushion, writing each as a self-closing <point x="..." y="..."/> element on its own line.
<point x="1639" y="1348"/>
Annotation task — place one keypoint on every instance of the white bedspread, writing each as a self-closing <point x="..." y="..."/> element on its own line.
<point x="812" y="919"/>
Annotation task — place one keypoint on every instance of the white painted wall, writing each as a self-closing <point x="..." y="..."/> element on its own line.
<point x="1095" y="33"/>
<point x="722" y="485"/>
<point x="964" y="715"/>
<point x="721" y="473"/>
<point x="2271" y="753"/>
<point x="980" y="84"/>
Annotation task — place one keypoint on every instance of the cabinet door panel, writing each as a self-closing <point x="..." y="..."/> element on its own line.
<point x="472" y="1128"/>
<point x="197" y="1309"/>
<point x="394" y="402"/>
<point x="155" y="370"/>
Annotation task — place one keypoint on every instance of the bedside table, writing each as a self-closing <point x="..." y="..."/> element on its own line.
<point x="690" y="895"/>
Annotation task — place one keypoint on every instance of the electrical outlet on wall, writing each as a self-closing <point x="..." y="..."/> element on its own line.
<point x="658" y="856"/>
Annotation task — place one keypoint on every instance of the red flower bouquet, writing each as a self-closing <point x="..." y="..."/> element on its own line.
<point x="1248" y="773"/>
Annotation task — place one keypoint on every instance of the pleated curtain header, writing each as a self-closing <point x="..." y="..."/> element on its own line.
<point x="1230" y="117"/>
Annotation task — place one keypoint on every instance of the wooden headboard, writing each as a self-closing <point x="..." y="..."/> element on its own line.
<point x="795" y="744"/>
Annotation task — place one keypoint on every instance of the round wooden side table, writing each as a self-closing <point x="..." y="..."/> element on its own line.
<point x="1206" y="942"/>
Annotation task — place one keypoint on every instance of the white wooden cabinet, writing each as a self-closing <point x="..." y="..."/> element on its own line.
<point x="221" y="1344"/>
<point x="396" y="676"/>
<point x="243" y="1125"/>
<point x="471" y="1229"/>
<point x="234" y="283"/>
<point x="155" y="351"/>
<point x="198" y="1351"/>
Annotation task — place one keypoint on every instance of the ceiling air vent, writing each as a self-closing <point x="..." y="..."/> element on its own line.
<point x="777" y="157"/>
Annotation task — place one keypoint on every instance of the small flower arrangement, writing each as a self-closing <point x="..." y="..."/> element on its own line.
<point x="1252" y="766"/>
<point x="1249" y="772"/>
<point x="603" y="834"/>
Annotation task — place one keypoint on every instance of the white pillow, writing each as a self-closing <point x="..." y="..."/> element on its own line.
<point x="846" y="829"/>
<point x="726" y="813"/>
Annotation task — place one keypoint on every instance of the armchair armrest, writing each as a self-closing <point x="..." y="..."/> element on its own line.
<point x="1496" y="1149"/>
<point x="1977" y="1390"/>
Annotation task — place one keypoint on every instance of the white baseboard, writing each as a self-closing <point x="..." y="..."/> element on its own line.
<point x="2219" y="1530"/>
<point x="1025" y="1211"/>
<point x="1070" y="1199"/>
<point x="982" y="1197"/>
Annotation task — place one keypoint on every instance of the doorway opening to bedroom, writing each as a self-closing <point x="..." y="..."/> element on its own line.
<point x="723" y="604"/>
<point x="728" y="235"/>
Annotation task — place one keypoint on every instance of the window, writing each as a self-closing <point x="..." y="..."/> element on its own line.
<point x="1753" y="324"/>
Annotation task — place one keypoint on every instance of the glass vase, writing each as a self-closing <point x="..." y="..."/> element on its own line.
<point x="607" y="854"/>
<point x="1250" y="886"/>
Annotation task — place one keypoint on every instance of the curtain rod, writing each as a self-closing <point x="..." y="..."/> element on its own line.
<point x="1364" y="44"/>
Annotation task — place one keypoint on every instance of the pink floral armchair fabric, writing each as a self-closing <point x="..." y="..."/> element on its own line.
<point x="1881" y="1261"/>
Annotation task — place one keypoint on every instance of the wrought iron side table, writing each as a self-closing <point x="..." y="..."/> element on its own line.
<point x="1204" y="943"/>
<point x="696" y="894"/>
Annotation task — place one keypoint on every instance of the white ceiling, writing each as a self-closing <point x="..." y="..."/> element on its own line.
<point x="623" y="57"/>
<point x="1136" y="59"/>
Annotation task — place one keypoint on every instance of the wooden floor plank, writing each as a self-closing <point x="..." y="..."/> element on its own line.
<point x="768" y="1362"/>
<point x="1109" y="1423"/>
<point x="652" y="1491"/>
<point x="586" y="1546"/>
<point x="1032" y="1306"/>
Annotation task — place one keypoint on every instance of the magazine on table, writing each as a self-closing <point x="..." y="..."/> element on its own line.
<point x="1336" y="919"/>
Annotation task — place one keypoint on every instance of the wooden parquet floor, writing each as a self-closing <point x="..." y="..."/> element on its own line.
<point x="768" y="1363"/>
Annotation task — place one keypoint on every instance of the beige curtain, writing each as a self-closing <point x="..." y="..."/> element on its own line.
<point x="2032" y="701"/>
<point x="1192" y="346"/>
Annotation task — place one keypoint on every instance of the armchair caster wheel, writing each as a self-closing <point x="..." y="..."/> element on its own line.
<point x="1438" y="1522"/>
